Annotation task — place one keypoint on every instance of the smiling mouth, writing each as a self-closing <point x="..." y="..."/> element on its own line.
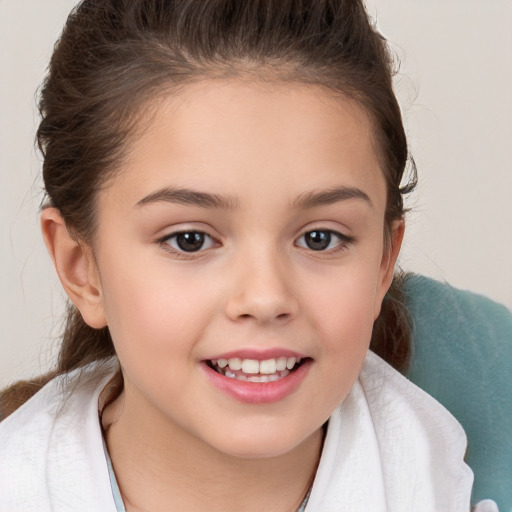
<point x="252" y="370"/>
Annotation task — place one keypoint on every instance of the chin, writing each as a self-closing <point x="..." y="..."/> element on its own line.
<point x="258" y="444"/>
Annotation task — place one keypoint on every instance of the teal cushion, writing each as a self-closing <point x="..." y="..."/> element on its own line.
<point x="462" y="356"/>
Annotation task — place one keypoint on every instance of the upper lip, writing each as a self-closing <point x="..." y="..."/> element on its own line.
<point x="258" y="354"/>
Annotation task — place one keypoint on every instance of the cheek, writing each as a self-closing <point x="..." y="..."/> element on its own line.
<point x="345" y="303"/>
<point x="343" y="321"/>
<point x="342" y="312"/>
<point x="346" y="330"/>
<point x="151" y="308"/>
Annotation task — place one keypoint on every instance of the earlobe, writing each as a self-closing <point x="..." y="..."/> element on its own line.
<point x="389" y="258"/>
<point x="75" y="267"/>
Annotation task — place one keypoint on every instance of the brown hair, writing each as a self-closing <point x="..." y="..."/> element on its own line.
<point x="114" y="56"/>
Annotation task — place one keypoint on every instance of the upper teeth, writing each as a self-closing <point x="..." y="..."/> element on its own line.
<point x="265" y="367"/>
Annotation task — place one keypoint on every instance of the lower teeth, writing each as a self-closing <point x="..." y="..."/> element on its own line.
<point x="256" y="378"/>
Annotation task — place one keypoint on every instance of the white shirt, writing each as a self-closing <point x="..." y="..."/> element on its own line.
<point x="389" y="447"/>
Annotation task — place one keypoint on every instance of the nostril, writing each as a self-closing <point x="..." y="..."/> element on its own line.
<point x="261" y="307"/>
<point x="280" y="316"/>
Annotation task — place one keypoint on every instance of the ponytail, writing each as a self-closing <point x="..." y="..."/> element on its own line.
<point x="392" y="331"/>
<point x="80" y="346"/>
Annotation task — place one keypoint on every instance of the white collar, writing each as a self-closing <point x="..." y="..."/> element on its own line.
<point x="51" y="451"/>
<point x="391" y="447"/>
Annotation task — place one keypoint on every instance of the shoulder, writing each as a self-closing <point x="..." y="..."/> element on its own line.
<point x="389" y="432"/>
<point x="59" y="398"/>
<point x="421" y="437"/>
<point x="52" y="442"/>
<point x="382" y="384"/>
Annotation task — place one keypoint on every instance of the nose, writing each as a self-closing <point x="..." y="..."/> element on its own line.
<point x="262" y="290"/>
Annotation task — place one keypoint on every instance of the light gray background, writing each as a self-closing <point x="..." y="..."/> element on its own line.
<point x="455" y="88"/>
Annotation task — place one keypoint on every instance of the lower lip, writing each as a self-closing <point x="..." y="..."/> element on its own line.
<point x="258" y="392"/>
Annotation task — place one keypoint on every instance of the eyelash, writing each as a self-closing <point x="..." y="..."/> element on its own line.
<point x="165" y="242"/>
<point x="343" y="240"/>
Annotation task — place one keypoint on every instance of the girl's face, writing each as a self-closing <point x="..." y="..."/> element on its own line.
<point x="241" y="264"/>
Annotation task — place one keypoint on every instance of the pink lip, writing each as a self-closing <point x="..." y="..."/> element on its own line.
<point x="257" y="392"/>
<point x="259" y="355"/>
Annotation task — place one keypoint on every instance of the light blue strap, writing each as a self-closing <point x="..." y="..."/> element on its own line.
<point x="116" y="493"/>
<point x="302" y="507"/>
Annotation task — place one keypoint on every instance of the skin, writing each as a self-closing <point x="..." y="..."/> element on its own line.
<point x="256" y="284"/>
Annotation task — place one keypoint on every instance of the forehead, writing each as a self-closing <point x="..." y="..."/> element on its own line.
<point x="250" y="138"/>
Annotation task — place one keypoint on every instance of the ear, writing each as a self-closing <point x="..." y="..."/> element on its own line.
<point x="387" y="266"/>
<point x="75" y="267"/>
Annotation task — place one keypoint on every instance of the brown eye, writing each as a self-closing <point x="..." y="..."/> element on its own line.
<point x="318" y="240"/>
<point x="189" y="241"/>
<point x="323" y="240"/>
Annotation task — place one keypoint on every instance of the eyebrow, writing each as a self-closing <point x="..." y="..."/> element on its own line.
<point x="190" y="197"/>
<point x="330" y="196"/>
<point x="307" y="200"/>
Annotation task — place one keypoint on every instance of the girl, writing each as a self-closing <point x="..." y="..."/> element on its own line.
<point x="225" y="210"/>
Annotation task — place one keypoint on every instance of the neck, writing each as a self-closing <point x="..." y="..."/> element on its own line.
<point x="159" y="467"/>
